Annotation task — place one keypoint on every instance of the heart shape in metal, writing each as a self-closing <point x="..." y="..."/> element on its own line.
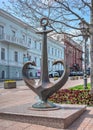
<point x="44" y="88"/>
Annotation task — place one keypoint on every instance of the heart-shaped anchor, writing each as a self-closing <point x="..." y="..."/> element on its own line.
<point x="44" y="88"/>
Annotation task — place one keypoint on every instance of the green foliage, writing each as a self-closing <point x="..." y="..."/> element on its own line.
<point x="80" y="87"/>
<point x="9" y="81"/>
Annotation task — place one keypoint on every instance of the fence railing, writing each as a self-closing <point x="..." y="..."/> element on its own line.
<point x="13" y="40"/>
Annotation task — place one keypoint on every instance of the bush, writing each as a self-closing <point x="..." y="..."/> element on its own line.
<point x="9" y="81"/>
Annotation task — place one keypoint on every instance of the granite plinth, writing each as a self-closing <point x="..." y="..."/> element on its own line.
<point x="57" y="118"/>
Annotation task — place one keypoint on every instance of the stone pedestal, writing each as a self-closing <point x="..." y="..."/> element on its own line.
<point x="57" y="118"/>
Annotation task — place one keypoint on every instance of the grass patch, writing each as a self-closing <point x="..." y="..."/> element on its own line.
<point x="80" y="87"/>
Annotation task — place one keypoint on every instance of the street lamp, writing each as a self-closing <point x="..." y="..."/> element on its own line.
<point x="84" y="30"/>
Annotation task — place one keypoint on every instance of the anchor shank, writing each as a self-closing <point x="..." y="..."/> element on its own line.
<point x="44" y="64"/>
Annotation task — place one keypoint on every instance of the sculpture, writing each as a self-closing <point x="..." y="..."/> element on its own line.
<point x="44" y="89"/>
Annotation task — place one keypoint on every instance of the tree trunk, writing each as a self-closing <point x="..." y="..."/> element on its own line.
<point x="91" y="46"/>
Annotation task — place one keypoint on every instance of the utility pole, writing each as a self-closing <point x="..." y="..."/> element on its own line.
<point x="85" y="63"/>
<point x="85" y="31"/>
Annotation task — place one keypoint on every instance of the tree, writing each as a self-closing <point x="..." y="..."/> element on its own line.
<point x="64" y="16"/>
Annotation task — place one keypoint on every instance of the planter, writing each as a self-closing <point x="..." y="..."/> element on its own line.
<point x="9" y="85"/>
<point x="55" y="78"/>
<point x="81" y="77"/>
<point x="72" y="78"/>
<point x="76" y="78"/>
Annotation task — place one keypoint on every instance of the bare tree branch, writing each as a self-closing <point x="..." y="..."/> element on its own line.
<point x="63" y="15"/>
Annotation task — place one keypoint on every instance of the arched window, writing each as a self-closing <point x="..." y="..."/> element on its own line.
<point x="3" y="74"/>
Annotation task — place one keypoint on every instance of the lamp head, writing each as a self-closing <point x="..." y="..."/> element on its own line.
<point x="84" y="27"/>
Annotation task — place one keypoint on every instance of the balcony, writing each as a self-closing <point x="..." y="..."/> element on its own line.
<point x="13" y="40"/>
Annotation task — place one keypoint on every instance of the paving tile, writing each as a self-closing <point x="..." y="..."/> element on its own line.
<point x="2" y="128"/>
<point x="35" y="127"/>
<point x="89" y="128"/>
<point x="90" y="125"/>
<point x="49" y="128"/>
<point x="1" y="120"/>
<point x="22" y="125"/>
<point x="6" y="123"/>
<point x="14" y="127"/>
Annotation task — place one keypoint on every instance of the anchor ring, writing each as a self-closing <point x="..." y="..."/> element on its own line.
<point x="44" y="22"/>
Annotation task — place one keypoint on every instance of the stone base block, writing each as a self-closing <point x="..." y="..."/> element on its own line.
<point x="57" y="118"/>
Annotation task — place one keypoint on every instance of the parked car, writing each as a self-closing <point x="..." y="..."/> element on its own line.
<point x="79" y="73"/>
<point x="60" y="72"/>
<point x="76" y="73"/>
<point x="72" y="73"/>
<point x="53" y="74"/>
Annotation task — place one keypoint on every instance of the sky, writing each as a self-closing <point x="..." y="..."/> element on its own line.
<point x="7" y="3"/>
<point x="1" y="5"/>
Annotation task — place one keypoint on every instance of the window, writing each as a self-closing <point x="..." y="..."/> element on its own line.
<point x="35" y="45"/>
<point x="23" y="37"/>
<point x="35" y="60"/>
<point x="49" y="64"/>
<point x="1" y="31"/>
<point x="61" y="54"/>
<point x="3" y="74"/>
<point x="58" y="53"/>
<point x="16" y="56"/>
<point x="40" y="46"/>
<point x="29" y="41"/>
<point x="2" y="53"/>
<point x="49" y="49"/>
<point x="29" y="58"/>
<point x="40" y="61"/>
<point x="52" y="51"/>
<point x="13" y="33"/>
<point x="55" y="52"/>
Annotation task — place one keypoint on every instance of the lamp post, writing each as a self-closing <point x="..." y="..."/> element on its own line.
<point x="84" y="30"/>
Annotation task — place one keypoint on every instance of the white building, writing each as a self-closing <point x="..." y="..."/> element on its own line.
<point x="17" y="39"/>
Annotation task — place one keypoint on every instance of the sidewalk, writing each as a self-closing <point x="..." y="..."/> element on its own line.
<point x="22" y="94"/>
<point x="72" y="83"/>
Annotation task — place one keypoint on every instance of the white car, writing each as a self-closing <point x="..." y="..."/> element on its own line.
<point x="53" y="74"/>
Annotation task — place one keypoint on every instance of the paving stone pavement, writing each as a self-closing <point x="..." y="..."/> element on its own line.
<point x="22" y="94"/>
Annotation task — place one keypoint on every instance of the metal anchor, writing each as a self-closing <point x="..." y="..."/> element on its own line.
<point x="44" y="89"/>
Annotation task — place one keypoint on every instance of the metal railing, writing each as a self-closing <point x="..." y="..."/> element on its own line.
<point x="13" y="40"/>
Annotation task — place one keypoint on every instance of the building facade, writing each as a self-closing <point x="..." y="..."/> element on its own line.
<point x="73" y="53"/>
<point x="19" y="41"/>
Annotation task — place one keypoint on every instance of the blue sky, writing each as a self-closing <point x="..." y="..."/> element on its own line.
<point x="1" y="5"/>
<point x="85" y="16"/>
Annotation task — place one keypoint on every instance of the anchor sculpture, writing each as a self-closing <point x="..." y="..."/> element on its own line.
<point x="44" y="88"/>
